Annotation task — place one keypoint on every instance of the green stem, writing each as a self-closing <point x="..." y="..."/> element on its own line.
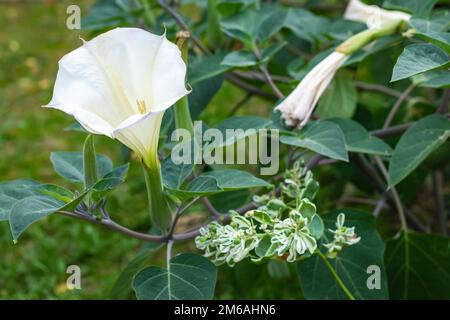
<point x="336" y="276"/>
<point x="359" y="40"/>
<point x="160" y="211"/>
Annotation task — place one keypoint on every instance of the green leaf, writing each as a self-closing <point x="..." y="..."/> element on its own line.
<point x="255" y="25"/>
<point x="190" y="277"/>
<point x="203" y="186"/>
<point x="109" y="182"/>
<point x="323" y="137"/>
<point x="54" y="191"/>
<point x="306" y="25"/>
<point x="206" y="68"/>
<point x="264" y="248"/>
<point x="89" y="163"/>
<point x="108" y="14"/>
<point x="339" y="99"/>
<point x="175" y="174"/>
<point x="358" y="139"/>
<point x="351" y="264"/>
<point x="205" y="75"/>
<point x="433" y="79"/>
<point x="278" y="269"/>
<point x="269" y="52"/>
<point x="431" y="32"/>
<point x="217" y="181"/>
<point x="416" y="144"/>
<point x="241" y="58"/>
<point x="69" y="165"/>
<point x="231" y="179"/>
<point x="13" y="191"/>
<point x="243" y="126"/>
<point x="316" y="226"/>
<point x="230" y="200"/>
<point x="307" y="208"/>
<point x="123" y="284"/>
<point x="418" y="58"/>
<point x="418" y="266"/>
<point x="420" y="8"/>
<point x="342" y="29"/>
<point x="31" y="209"/>
<point x="228" y="7"/>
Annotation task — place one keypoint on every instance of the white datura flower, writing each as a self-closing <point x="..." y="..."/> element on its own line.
<point x="372" y="15"/>
<point x="297" y="108"/>
<point x="119" y="84"/>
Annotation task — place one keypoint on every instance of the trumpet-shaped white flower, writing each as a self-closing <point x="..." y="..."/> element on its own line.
<point x="119" y="84"/>
<point x="297" y="108"/>
<point x="372" y="15"/>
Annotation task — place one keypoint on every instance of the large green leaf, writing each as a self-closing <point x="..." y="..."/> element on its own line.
<point x="31" y="209"/>
<point x="432" y="32"/>
<point x="305" y="25"/>
<point x="417" y="143"/>
<point x="239" y="127"/>
<point x="351" y="264"/>
<point x="339" y="100"/>
<point x="230" y="200"/>
<point x="54" y="191"/>
<point x="204" y="91"/>
<point x="109" y="182"/>
<point x="190" y="277"/>
<point x="218" y="181"/>
<point x="123" y="284"/>
<point x="13" y="191"/>
<point x="420" y="8"/>
<point x="206" y="68"/>
<point x="323" y="137"/>
<point x="69" y="165"/>
<point x="418" y="266"/>
<point x="358" y="139"/>
<point x="241" y="58"/>
<point x="175" y="174"/>
<point x="109" y="14"/>
<point x="418" y="58"/>
<point x="433" y="79"/>
<point x="255" y="25"/>
<point x="231" y="179"/>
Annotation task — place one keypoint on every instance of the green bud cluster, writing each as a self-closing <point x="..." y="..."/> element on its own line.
<point x="285" y="227"/>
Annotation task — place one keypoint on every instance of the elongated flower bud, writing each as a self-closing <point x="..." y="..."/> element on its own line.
<point x="372" y="15"/>
<point x="297" y="108"/>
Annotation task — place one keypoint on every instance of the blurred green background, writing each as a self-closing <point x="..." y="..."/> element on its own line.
<point x="33" y="37"/>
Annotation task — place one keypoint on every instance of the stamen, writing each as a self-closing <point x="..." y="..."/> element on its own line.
<point x="141" y="106"/>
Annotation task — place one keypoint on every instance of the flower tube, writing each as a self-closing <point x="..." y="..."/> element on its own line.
<point x="297" y="108"/>
<point x="372" y="15"/>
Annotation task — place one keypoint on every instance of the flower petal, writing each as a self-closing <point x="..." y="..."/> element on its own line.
<point x="146" y="67"/>
<point x="82" y="90"/>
